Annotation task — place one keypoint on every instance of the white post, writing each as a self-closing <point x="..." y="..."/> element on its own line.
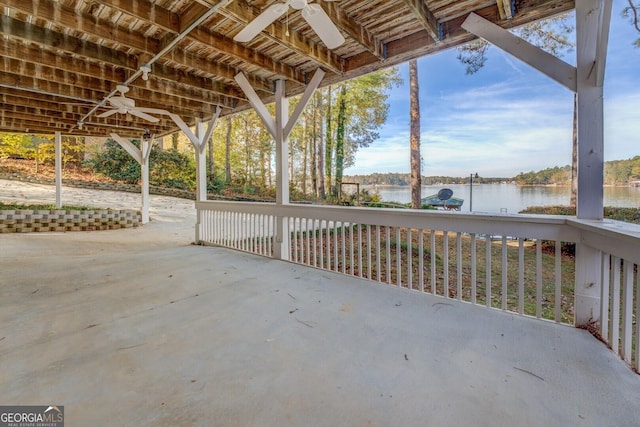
<point x="58" y="166"/>
<point x="590" y="57"/>
<point x="590" y="112"/>
<point x="145" y="149"/>
<point x="280" y="128"/>
<point x="281" y="248"/>
<point x="201" y="166"/>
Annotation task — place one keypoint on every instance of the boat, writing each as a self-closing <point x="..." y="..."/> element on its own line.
<point x="443" y="199"/>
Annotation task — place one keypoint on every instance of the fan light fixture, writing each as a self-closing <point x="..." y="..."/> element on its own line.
<point x="146" y="69"/>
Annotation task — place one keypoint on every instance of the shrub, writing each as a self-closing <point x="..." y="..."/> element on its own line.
<point x="168" y="168"/>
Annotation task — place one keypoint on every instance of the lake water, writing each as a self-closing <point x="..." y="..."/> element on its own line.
<point x="509" y="197"/>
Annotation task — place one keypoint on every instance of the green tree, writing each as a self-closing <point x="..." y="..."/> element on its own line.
<point x="340" y="135"/>
<point x="167" y="168"/>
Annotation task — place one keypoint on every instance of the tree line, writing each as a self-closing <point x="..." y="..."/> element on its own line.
<point x="339" y="120"/>
<point x="402" y="179"/>
<point x="616" y="172"/>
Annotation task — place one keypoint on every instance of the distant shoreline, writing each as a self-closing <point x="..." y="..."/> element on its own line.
<point x="493" y="183"/>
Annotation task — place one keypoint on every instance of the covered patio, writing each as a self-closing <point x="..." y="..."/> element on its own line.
<point x="153" y="330"/>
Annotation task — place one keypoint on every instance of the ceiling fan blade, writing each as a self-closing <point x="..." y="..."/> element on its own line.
<point x="144" y="116"/>
<point x="324" y="27"/>
<point x="261" y="22"/>
<point x="107" y="113"/>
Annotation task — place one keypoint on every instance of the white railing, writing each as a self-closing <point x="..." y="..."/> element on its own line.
<point x="619" y="245"/>
<point x="508" y="262"/>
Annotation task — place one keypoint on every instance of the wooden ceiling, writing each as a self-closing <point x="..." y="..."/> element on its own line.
<point x="61" y="58"/>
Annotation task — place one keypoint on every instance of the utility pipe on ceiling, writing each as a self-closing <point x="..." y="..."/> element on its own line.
<point x="160" y="54"/>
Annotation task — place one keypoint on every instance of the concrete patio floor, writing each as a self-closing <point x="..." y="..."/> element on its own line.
<point x="137" y="327"/>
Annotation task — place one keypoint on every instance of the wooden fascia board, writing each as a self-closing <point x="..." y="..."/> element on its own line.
<point x="425" y="16"/>
<point x="420" y="43"/>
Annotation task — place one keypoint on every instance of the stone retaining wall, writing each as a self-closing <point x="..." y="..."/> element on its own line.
<point x="113" y="186"/>
<point x="28" y="221"/>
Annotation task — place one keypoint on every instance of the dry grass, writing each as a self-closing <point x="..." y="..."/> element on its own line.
<point x="451" y="274"/>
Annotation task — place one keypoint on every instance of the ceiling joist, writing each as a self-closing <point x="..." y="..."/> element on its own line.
<point x="60" y="58"/>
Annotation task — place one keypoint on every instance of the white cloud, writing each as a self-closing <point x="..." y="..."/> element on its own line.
<point x="512" y="120"/>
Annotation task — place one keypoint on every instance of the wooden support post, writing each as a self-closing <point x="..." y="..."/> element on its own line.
<point x="282" y="250"/>
<point x="140" y="155"/>
<point x="201" y="164"/>
<point x="590" y="26"/>
<point x="58" y="167"/>
<point x="280" y="128"/>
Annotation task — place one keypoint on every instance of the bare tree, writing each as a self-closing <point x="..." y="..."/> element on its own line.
<point x="416" y="177"/>
<point x="631" y="12"/>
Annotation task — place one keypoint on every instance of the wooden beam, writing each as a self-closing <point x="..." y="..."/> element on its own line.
<point x="356" y="31"/>
<point x="101" y="55"/>
<point x="64" y="16"/>
<point x="199" y="85"/>
<point x="219" y="69"/>
<point x="257" y="104"/>
<point x="156" y="90"/>
<point x="227" y="46"/>
<point x="46" y="37"/>
<point x="542" y="61"/>
<point x="302" y="103"/>
<point x="425" y="16"/>
<point x="505" y="8"/>
<point x="55" y="118"/>
<point x="9" y="123"/>
<point x="174" y="23"/>
<point x="147" y="11"/>
<point x="420" y="43"/>
<point x="55" y="12"/>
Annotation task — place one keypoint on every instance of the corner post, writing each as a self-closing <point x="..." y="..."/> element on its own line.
<point x="592" y="28"/>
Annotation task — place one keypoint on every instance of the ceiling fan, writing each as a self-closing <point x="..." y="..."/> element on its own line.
<point x="313" y="13"/>
<point x="123" y="105"/>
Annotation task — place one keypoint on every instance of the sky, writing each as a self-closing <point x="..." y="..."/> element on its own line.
<point x="506" y="119"/>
